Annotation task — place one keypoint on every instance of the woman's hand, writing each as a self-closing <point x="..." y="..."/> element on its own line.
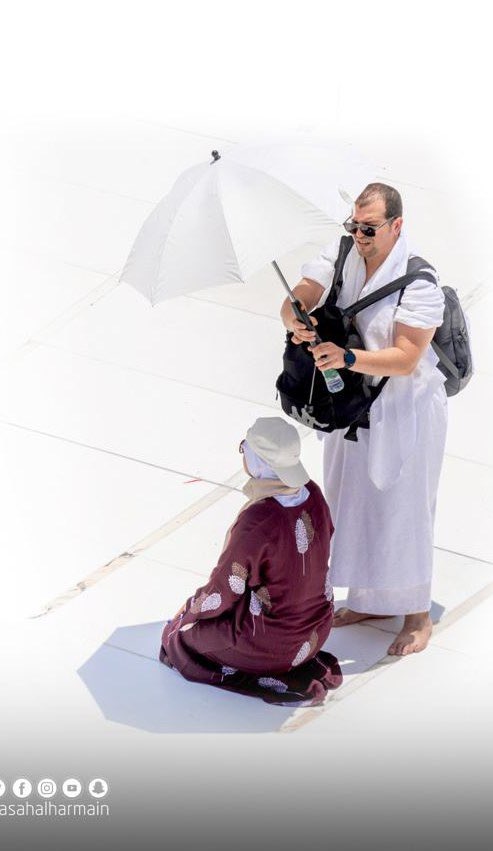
<point x="328" y="356"/>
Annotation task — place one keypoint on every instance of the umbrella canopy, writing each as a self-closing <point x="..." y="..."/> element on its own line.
<point x="227" y="218"/>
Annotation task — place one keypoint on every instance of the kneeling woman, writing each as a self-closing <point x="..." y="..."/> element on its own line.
<point x="258" y="624"/>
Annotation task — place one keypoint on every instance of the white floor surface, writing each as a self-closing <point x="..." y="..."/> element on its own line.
<point x="120" y="426"/>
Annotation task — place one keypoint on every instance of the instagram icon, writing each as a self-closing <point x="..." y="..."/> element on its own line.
<point x="46" y="788"/>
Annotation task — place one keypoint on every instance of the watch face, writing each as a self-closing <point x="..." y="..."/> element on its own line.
<point x="349" y="358"/>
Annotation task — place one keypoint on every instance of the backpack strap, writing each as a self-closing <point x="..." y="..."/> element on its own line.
<point x="364" y="421"/>
<point x="399" y="284"/>
<point x="415" y="270"/>
<point x="441" y="355"/>
<point x="415" y="263"/>
<point x="443" y="358"/>
<point x="345" y="246"/>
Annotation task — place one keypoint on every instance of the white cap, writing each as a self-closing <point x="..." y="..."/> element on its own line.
<point x="278" y="443"/>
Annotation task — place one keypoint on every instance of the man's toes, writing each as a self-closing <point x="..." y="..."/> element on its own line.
<point x="400" y="648"/>
<point x="340" y="617"/>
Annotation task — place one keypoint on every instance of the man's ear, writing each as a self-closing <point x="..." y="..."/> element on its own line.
<point x="397" y="223"/>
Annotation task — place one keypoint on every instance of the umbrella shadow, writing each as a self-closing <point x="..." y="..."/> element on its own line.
<point x="131" y="687"/>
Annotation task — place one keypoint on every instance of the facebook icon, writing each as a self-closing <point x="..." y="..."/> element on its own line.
<point x="22" y="788"/>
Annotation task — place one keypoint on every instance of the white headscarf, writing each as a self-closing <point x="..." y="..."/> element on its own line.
<point x="259" y="469"/>
<point x="263" y="483"/>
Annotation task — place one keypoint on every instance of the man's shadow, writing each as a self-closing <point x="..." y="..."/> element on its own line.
<point x="132" y="687"/>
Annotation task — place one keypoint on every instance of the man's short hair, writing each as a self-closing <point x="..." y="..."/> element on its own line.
<point x="392" y="198"/>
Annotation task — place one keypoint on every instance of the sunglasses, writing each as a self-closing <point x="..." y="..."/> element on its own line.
<point x="367" y="230"/>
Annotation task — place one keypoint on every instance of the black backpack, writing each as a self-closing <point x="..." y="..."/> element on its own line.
<point x="301" y="386"/>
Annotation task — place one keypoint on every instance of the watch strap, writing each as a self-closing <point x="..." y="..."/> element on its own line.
<point x="349" y="358"/>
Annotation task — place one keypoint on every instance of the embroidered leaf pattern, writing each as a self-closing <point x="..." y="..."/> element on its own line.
<point x="301" y="536"/>
<point x="264" y="597"/>
<point x="239" y="570"/>
<point x="307" y="521"/>
<point x="237" y="584"/>
<point x="301" y="539"/>
<point x="255" y="607"/>
<point x="276" y="685"/>
<point x="313" y="639"/>
<point x="260" y="601"/>
<point x="306" y="648"/>
<point x="213" y="601"/>
<point x="197" y="603"/>
<point x="237" y="578"/>
<point x="255" y="604"/>
<point x="227" y="671"/>
<point x="301" y="654"/>
<point x="329" y="591"/>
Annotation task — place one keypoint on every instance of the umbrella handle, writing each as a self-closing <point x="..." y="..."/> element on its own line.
<point x="303" y="316"/>
<point x="298" y="311"/>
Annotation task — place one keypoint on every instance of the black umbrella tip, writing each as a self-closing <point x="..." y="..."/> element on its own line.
<point x="215" y="156"/>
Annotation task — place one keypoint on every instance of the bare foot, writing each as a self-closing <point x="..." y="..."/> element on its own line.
<point x="414" y="635"/>
<point x="345" y="617"/>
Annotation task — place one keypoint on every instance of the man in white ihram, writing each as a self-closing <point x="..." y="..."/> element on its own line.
<point x="382" y="489"/>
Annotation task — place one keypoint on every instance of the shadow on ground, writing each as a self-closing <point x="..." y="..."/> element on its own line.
<point x="132" y="687"/>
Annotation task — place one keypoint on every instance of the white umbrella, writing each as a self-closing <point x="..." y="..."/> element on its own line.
<point x="227" y="218"/>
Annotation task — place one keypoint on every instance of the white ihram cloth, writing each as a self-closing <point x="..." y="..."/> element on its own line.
<point x="382" y="489"/>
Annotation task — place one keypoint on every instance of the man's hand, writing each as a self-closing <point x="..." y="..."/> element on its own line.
<point x="328" y="356"/>
<point x="301" y="334"/>
<point x="308" y="293"/>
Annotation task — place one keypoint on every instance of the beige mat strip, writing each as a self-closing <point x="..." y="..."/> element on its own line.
<point x="37" y="338"/>
<point x="137" y="549"/>
<point x="304" y="716"/>
<point x="221" y="490"/>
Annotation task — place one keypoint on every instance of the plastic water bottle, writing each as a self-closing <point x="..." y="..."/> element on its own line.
<point x="333" y="380"/>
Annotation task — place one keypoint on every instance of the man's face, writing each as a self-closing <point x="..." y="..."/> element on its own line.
<point x="378" y="247"/>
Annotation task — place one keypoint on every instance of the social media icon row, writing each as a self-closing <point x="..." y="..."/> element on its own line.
<point x="47" y="788"/>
